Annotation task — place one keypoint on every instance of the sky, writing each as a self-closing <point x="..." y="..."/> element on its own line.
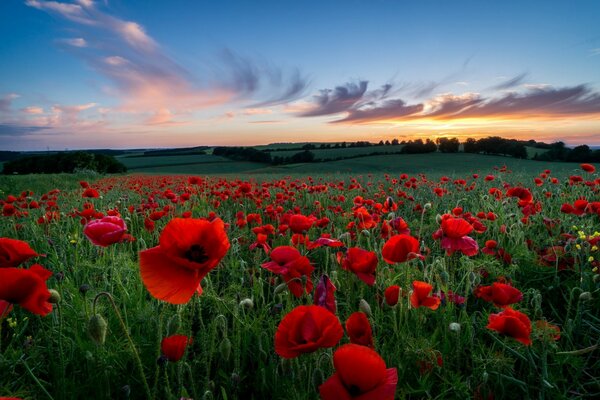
<point x="84" y="74"/>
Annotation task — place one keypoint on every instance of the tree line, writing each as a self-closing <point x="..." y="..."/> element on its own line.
<point x="64" y="162"/>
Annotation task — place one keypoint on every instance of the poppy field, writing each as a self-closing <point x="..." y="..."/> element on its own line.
<point x="374" y="286"/>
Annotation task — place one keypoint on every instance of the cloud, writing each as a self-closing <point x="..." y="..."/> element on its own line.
<point x="388" y="109"/>
<point x="146" y="79"/>
<point x="338" y="100"/>
<point x="33" y="110"/>
<point x="539" y="102"/>
<point x="257" y="111"/>
<point x="510" y="83"/>
<point x="6" y="102"/>
<point x="8" y="129"/>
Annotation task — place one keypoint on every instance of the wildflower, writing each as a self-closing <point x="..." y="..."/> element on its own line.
<point x="361" y="262"/>
<point x="188" y="250"/>
<point x="173" y="347"/>
<point x="325" y="294"/>
<point x="391" y="295"/>
<point x="292" y="266"/>
<point x="511" y="323"/>
<point x="421" y="298"/>
<point x="27" y="288"/>
<point x="400" y="248"/>
<point x="14" y="252"/>
<point x="359" y="329"/>
<point x="106" y="231"/>
<point x="500" y="294"/>
<point x="306" y="329"/>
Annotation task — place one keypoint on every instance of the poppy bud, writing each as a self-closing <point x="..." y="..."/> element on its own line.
<point x="438" y="218"/>
<point x="126" y="390"/>
<point x="54" y="296"/>
<point x="444" y="277"/>
<point x="97" y="327"/>
<point x="365" y="307"/>
<point x="83" y="289"/>
<point x="596" y="278"/>
<point x="366" y="232"/>
<point x="280" y="288"/>
<point x="485" y="197"/>
<point x="247" y="303"/>
<point x="454" y="327"/>
<point x="485" y="376"/>
<point x="568" y="247"/>
<point x="225" y="349"/>
<point x="427" y="206"/>
<point x="207" y="395"/>
<point x="585" y="296"/>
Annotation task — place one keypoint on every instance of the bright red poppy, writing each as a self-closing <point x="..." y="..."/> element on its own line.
<point x="325" y="294"/>
<point x="500" y="294"/>
<point x="361" y="262"/>
<point x="14" y="252"/>
<point x="420" y="296"/>
<point x="588" y="168"/>
<point x="361" y="373"/>
<point x="292" y="266"/>
<point x="188" y="250"/>
<point x="400" y="248"/>
<point x="300" y="223"/>
<point x="359" y="329"/>
<point x="511" y="323"/>
<point x="524" y="195"/>
<point x="106" y="231"/>
<point x="453" y="234"/>
<point x="391" y="295"/>
<point x="173" y="347"/>
<point x="27" y="288"/>
<point x="306" y="329"/>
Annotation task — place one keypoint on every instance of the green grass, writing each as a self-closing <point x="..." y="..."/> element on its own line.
<point x="330" y="154"/>
<point x="141" y="163"/>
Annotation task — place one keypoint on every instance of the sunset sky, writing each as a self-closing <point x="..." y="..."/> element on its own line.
<point x="141" y="74"/>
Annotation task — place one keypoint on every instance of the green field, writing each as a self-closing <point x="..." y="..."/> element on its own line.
<point x="141" y="163"/>
<point x="332" y="154"/>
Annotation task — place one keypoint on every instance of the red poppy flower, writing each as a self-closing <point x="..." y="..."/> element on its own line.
<point x="524" y="195"/>
<point x="27" y="288"/>
<point x="500" y="294"/>
<point x="173" y="347"/>
<point x="90" y="193"/>
<point x="511" y="323"/>
<point x="392" y="294"/>
<point x="588" y="168"/>
<point x="547" y="330"/>
<point x="325" y="294"/>
<point x="360" y="374"/>
<point x="14" y="252"/>
<point x="359" y="329"/>
<point x="454" y="237"/>
<point x="300" y="223"/>
<point x="306" y="329"/>
<point x="361" y="262"/>
<point x="400" y="248"/>
<point x="106" y="231"/>
<point x="188" y="250"/>
<point x="421" y="298"/>
<point x="292" y="266"/>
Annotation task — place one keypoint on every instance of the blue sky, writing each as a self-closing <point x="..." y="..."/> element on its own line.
<point x="91" y="74"/>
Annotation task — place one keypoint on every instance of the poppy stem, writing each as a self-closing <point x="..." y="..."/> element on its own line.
<point x="36" y="380"/>
<point x="126" y="331"/>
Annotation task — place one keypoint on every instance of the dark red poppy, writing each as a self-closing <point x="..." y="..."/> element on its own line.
<point x="306" y="329"/>
<point x="106" y="231"/>
<point x="325" y="294"/>
<point x="400" y="248"/>
<point x="14" y="252"/>
<point x="359" y="329"/>
<point x="360" y="374"/>
<point x="588" y="168"/>
<point x="511" y="323"/>
<point x="173" y="347"/>
<point x="420" y="296"/>
<point x="292" y="266"/>
<point x="524" y="195"/>
<point x="188" y="250"/>
<point x="361" y="262"/>
<point x="500" y="294"/>
<point x="27" y="288"/>
<point x="490" y="247"/>
<point x="90" y="193"/>
<point x="392" y="294"/>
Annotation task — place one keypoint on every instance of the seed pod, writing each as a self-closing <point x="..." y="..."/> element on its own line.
<point x="97" y="328"/>
<point x="585" y="296"/>
<point x="365" y="307"/>
<point x="83" y="289"/>
<point x="282" y="287"/>
<point x="444" y="277"/>
<point x="427" y="206"/>
<point x="247" y="303"/>
<point x="54" y="296"/>
<point x="438" y="218"/>
<point x="454" y="327"/>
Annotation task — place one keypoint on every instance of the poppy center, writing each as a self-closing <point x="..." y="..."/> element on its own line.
<point x="353" y="390"/>
<point x="197" y="254"/>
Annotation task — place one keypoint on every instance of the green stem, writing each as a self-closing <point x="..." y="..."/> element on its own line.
<point x="36" y="380"/>
<point x="126" y="331"/>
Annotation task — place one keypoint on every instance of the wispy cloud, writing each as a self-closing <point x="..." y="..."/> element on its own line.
<point x="147" y="80"/>
<point x="6" y="102"/>
<point x="7" y="129"/>
<point x="510" y="83"/>
<point x="334" y="101"/>
<point x="539" y="102"/>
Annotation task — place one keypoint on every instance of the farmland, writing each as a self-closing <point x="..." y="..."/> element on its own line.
<point x="426" y="306"/>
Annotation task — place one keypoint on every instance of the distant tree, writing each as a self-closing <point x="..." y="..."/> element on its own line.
<point x="470" y="146"/>
<point x="395" y="142"/>
<point x="446" y="145"/>
<point x="387" y="143"/>
<point x="381" y="143"/>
